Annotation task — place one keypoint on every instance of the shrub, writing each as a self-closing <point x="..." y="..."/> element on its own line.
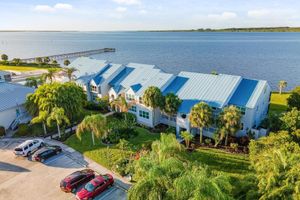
<point x="120" y="166"/>
<point x="2" y="131"/>
<point x="234" y="146"/>
<point x="171" y="129"/>
<point x="207" y="141"/>
<point x="23" y="130"/>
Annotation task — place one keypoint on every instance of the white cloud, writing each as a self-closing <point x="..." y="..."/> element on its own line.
<point x="121" y="9"/>
<point x="63" y="6"/>
<point x="223" y="16"/>
<point x="44" y="8"/>
<point x="56" y="7"/>
<point x="128" y="2"/>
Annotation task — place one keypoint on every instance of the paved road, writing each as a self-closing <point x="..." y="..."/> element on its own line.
<point x="21" y="178"/>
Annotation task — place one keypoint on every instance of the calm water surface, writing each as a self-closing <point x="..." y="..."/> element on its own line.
<point x="269" y="56"/>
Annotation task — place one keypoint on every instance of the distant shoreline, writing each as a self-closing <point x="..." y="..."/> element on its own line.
<point x="250" y="29"/>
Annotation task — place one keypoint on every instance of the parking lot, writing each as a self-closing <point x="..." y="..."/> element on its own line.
<point x="22" y="178"/>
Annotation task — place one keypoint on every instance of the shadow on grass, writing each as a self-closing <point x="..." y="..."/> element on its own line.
<point x="12" y="168"/>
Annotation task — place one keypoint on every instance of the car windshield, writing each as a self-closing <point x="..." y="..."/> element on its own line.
<point x="89" y="187"/>
<point x="105" y="177"/>
<point x="18" y="149"/>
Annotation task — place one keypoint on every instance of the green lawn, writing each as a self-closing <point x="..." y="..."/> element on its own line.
<point x="105" y="155"/>
<point x="278" y="102"/>
<point x="22" y="68"/>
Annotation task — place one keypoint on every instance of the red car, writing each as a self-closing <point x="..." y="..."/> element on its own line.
<point x="95" y="187"/>
<point x="76" y="179"/>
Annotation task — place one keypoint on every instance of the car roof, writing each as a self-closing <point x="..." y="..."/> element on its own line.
<point x="98" y="180"/>
<point x="75" y="174"/>
<point x="42" y="150"/>
<point x="25" y="143"/>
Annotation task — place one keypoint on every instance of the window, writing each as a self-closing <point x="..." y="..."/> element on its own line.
<point x="130" y="97"/>
<point x="242" y="126"/>
<point x="141" y="100"/>
<point x="94" y="88"/>
<point x="132" y="108"/>
<point x="144" y="114"/>
<point x="30" y="145"/>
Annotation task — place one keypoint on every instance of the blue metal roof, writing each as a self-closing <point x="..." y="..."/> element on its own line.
<point x="175" y="85"/>
<point x="121" y="76"/>
<point x="118" y="88"/>
<point x="136" y="87"/>
<point x="187" y="105"/>
<point x="243" y="92"/>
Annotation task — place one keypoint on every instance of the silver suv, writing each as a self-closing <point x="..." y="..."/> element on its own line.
<point x="28" y="147"/>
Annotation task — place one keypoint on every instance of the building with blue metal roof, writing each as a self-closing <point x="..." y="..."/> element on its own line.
<point x="131" y="80"/>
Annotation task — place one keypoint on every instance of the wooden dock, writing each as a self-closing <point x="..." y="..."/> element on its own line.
<point x="72" y="55"/>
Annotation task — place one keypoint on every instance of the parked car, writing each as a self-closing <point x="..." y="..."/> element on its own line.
<point x="76" y="179"/>
<point x="46" y="152"/>
<point x="28" y="147"/>
<point x="95" y="187"/>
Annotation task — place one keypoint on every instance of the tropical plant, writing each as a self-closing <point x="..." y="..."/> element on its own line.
<point x="54" y="62"/>
<point x="230" y="121"/>
<point x="4" y="57"/>
<point x="120" y="104"/>
<point x="70" y="71"/>
<point x="282" y="85"/>
<point x="294" y="99"/>
<point x="32" y="82"/>
<point x="46" y="60"/>
<point x="123" y="145"/>
<point x="171" y="105"/>
<point x="187" y="136"/>
<point x="201" y="117"/>
<point x="16" y="61"/>
<point x="291" y="120"/>
<point x="275" y="160"/>
<point x="58" y="116"/>
<point x="153" y="98"/>
<point x="41" y="116"/>
<point x="39" y="60"/>
<point x="68" y="96"/>
<point x="50" y="74"/>
<point x="95" y="124"/>
<point x="67" y="62"/>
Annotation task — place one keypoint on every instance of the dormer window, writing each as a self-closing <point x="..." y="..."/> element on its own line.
<point x="94" y="88"/>
<point x="130" y="97"/>
<point x="141" y="100"/>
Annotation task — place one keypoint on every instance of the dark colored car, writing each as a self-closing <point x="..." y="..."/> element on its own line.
<point x="46" y="152"/>
<point x="95" y="187"/>
<point x="74" y="180"/>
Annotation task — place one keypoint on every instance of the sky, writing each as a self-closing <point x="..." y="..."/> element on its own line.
<point x="118" y="15"/>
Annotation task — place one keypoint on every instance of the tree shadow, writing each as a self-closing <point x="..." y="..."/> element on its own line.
<point x="12" y="168"/>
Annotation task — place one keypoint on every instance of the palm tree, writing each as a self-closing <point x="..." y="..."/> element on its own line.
<point x="39" y="60"/>
<point x="41" y="118"/>
<point x="16" y="61"/>
<point x="96" y="124"/>
<point x="51" y="74"/>
<point x="187" y="136"/>
<point x="230" y="120"/>
<point x="32" y="82"/>
<point x="4" y="57"/>
<point x="58" y="115"/>
<point x="122" y="105"/>
<point x="172" y="103"/>
<point x="70" y="72"/>
<point x="282" y="84"/>
<point x="46" y="60"/>
<point x="66" y="62"/>
<point x="153" y="98"/>
<point x="201" y="117"/>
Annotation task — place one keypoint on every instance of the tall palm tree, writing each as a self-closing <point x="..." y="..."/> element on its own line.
<point x="41" y="118"/>
<point x="70" y="71"/>
<point x="67" y="62"/>
<point x="187" y="136"/>
<point x="230" y="120"/>
<point x="96" y="124"/>
<point x="50" y="74"/>
<point x="58" y="115"/>
<point x="282" y="84"/>
<point x="32" y="82"/>
<point x="172" y="103"/>
<point x="201" y="117"/>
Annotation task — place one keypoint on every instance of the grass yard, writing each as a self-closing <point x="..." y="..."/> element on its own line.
<point x="22" y="68"/>
<point x="278" y="102"/>
<point x="105" y="155"/>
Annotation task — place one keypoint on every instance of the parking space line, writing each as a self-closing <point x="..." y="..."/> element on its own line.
<point x="108" y="193"/>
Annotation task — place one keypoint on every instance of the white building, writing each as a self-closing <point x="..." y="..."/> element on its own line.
<point x="12" y="99"/>
<point x="219" y="91"/>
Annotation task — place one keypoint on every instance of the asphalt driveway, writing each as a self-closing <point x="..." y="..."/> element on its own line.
<point x="21" y="178"/>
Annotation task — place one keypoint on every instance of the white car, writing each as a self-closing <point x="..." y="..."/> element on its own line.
<point x="28" y="147"/>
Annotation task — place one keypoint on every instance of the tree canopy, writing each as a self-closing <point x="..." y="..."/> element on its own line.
<point x="68" y="96"/>
<point x="172" y="103"/>
<point x="291" y="120"/>
<point x="294" y="99"/>
<point x="153" y="97"/>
